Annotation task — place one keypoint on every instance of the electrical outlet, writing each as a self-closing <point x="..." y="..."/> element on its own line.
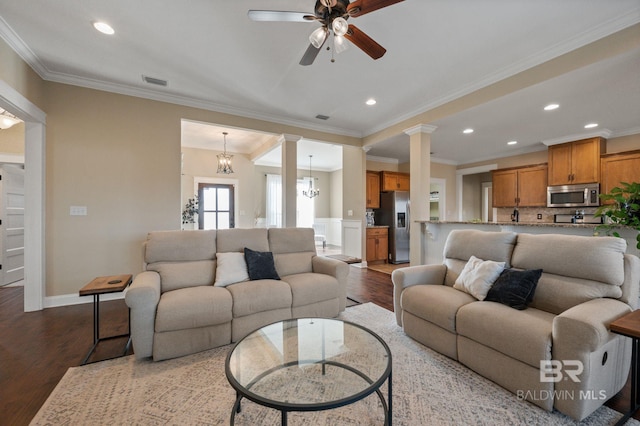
<point x="539" y="216"/>
<point x="78" y="210"/>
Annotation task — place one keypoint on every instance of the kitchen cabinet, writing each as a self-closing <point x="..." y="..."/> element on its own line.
<point x="616" y="168"/>
<point x="575" y="162"/>
<point x="377" y="244"/>
<point x="395" y="181"/>
<point x="520" y="186"/>
<point x="373" y="190"/>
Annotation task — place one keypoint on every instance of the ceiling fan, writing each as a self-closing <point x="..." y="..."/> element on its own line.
<point x="333" y="15"/>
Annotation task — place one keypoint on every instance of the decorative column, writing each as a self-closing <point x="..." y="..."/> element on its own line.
<point x="420" y="169"/>
<point x="289" y="179"/>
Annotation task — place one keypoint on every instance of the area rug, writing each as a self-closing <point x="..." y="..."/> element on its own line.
<point x="428" y="389"/>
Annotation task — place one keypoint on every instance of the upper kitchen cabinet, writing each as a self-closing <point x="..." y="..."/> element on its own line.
<point x="373" y="190"/>
<point x="616" y="168"/>
<point x="521" y="186"/>
<point x="575" y="162"/>
<point x="395" y="181"/>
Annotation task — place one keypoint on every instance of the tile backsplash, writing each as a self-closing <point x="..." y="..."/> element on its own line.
<point x="530" y="214"/>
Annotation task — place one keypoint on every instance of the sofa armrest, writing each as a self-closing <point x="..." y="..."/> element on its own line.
<point x="335" y="268"/>
<point x="142" y="298"/>
<point x="414" y="275"/>
<point x="585" y="327"/>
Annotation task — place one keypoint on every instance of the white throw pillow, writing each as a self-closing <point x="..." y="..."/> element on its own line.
<point x="478" y="276"/>
<point x="230" y="268"/>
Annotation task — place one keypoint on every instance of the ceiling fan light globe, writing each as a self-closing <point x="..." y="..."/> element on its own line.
<point x="340" y="26"/>
<point x="318" y="37"/>
<point x="340" y="43"/>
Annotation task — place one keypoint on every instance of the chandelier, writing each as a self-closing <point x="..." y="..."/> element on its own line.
<point x="311" y="192"/>
<point x="224" y="159"/>
<point x="7" y="119"/>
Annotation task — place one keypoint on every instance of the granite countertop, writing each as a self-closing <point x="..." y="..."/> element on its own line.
<point x="377" y="226"/>
<point x="539" y="224"/>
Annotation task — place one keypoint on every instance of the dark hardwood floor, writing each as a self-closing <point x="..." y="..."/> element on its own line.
<point x="37" y="348"/>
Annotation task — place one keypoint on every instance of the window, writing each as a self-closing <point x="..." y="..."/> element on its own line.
<point x="305" y="207"/>
<point x="215" y="207"/>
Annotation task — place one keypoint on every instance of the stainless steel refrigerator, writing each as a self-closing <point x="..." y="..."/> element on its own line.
<point x="394" y="212"/>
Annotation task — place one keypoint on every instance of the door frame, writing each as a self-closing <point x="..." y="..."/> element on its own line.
<point x="204" y="179"/>
<point x="34" y="187"/>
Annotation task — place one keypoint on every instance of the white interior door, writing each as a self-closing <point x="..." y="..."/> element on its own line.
<point x="11" y="224"/>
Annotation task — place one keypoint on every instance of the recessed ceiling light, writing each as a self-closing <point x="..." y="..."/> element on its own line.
<point x="591" y="125"/>
<point x="551" y="107"/>
<point x="104" y="28"/>
<point x="371" y="102"/>
<point x="467" y="131"/>
<point x="512" y="142"/>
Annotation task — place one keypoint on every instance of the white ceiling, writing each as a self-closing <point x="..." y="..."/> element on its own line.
<point x="214" y="57"/>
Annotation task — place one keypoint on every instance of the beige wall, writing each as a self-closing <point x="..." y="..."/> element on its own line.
<point x="12" y="140"/>
<point x="17" y="74"/>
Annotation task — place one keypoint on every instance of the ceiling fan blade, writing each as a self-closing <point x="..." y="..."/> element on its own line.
<point x="364" y="42"/>
<point x="361" y="7"/>
<point x="279" y="16"/>
<point x="310" y="54"/>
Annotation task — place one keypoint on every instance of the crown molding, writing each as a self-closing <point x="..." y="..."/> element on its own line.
<point x="420" y="128"/>
<point x="383" y="159"/>
<point x="627" y="132"/>
<point x="604" y="133"/>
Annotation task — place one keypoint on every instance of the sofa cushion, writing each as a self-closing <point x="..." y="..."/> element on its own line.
<point x="252" y="297"/>
<point x="464" y="243"/>
<point x="180" y="246"/>
<point x="557" y="293"/>
<point x="437" y="304"/>
<point x="478" y="276"/>
<point x="193" y="307"/>
<point x="514" y="288"/>
<point x="230" y="268"/>
<point x="293" y="249"/>
<point x="175" y="275"/>
<point x="236" y="239"/>
<point x="308" y="288"/>
<point x="591" y="258"/>
<point x="260" y="265"/>
<point x="523" y="335"/>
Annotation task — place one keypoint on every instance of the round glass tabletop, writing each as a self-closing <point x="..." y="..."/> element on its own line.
<point x="308" y="364"/>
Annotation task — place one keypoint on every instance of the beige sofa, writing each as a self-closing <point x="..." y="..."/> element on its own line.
<point x="178" y="306"/>
<point x="537" y="352"/>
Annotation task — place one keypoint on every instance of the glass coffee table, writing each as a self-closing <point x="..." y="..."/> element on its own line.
<point x="309" y="364"/>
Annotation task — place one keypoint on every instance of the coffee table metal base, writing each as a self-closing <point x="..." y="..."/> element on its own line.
<point x="386" y="406"/>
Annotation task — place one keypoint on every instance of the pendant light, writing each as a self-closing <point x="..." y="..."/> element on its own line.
<point x="7" y="119"/>
<point x="224" y="159"/>
<point x="311" y="192"/>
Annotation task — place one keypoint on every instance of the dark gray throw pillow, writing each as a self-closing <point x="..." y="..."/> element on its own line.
<point x="260" y="265"/>
<point x="515" y="288"/>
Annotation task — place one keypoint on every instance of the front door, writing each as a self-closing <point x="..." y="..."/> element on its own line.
<point x="215" y="206"/>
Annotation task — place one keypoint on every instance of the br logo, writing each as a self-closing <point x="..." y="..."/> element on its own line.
<point x="553" y="371"/>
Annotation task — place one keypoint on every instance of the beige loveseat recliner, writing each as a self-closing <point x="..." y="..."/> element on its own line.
<point x="177" y="310"/>
<point x="556" y="353"/>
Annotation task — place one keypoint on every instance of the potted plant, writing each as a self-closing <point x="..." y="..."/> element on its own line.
<point x="624" y="211"/>
<point x="190" y="211"/>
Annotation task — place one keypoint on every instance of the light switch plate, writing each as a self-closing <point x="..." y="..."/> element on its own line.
<point x="78" y="210"/>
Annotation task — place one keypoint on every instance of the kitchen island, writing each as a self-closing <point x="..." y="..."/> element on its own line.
<point x="435" y="233"/>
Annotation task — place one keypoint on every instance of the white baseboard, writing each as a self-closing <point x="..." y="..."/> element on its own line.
<point x="74" y="299"/>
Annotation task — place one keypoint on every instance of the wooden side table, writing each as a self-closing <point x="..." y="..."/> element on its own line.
<point x="629" y="325"/>
<point x="104" y="285"/>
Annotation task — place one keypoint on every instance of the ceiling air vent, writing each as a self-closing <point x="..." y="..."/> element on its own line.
<point x="322" y="117"/>
<point x="152" y="80"/>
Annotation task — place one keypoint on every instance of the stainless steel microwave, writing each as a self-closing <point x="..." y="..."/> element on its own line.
<point x="587" y="195"/>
